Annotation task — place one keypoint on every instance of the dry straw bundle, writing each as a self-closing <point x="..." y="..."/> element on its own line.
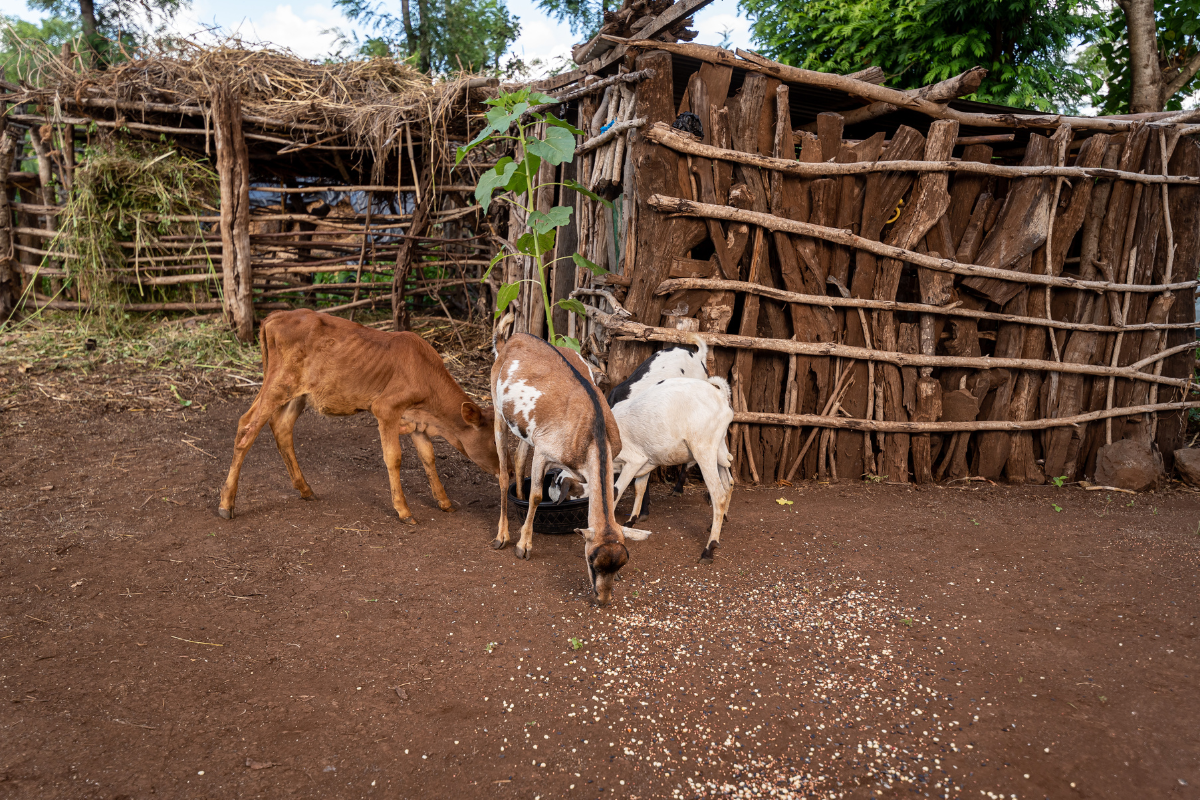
<point x="360" y="104"/>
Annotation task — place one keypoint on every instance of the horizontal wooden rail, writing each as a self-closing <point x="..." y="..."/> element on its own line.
<point x="883" y="94"/>
<point x="663" y="134"/>
<point x="636" y="331"/>
<point x="896" y="426"/>
<point x="689" y="208"/>
<point x="675" y="284"/>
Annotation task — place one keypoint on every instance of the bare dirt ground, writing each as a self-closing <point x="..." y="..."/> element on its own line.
<point x="855" y="640"/>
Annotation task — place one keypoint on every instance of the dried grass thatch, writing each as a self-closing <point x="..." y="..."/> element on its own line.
<point x="361" y="104"/>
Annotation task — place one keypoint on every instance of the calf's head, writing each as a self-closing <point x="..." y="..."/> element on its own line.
<point x="479" y="438"/>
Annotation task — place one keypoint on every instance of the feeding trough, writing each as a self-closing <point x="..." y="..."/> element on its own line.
<point x="564" y="516"/>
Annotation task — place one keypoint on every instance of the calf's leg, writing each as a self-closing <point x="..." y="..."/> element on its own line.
<point x="425" y="451"/>
<point x="389" y="437"/>
<point x="261" y="410"/>
<point x="537" y="476"/>
<point x="283" y="422"/>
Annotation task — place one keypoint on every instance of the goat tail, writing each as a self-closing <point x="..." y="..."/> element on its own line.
<point x="701" y="347"/>
<point x="502" y="331"/>
<point x="723" y="387"/>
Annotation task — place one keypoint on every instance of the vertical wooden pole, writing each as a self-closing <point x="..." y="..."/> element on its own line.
<point x="10" y="283"/>
<point x="420" y="220"/>
<point x="233" y="167"/>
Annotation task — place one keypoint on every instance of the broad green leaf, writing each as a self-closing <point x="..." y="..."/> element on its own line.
<point x="508" y="292"/>
<point x="539" y="99"/>
<point x="556" y="218"/>
<point x="495" y="178"/>
<point x="544" y="243"/>
<point x="478" y="140"/>
<point x="557" y="147"/>
<point x="517" y="184"/>
<point x="595" y="269"/>
<point x="572" y="305"/>
<point x="586" y="192"/>
<point x="558" y="123"/>
<point x="496" y="259"/>
<point x="567" y="341"/>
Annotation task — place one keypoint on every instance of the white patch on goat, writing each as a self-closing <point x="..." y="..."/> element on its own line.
<point x="516" y="398"/>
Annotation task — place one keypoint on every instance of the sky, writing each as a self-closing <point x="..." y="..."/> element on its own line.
<point x="307" y="28"/>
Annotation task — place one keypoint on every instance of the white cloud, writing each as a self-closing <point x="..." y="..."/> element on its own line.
<point x="306" y="32"/>
<point x="712" y="22"/>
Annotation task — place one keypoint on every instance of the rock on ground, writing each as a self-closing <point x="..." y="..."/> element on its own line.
<point x="1130" y="464"/>
<point x="1187" y="464"/>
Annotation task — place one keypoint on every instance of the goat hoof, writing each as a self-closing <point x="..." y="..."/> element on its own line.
<point x="498" y="544"/>
<point x="447" y="506"/>
<point x="225" y="513"/>
<point x="309" y="496"/>
<point x="409" y="520"/>
<point x="523" y="554"/>
<point x="707" y="556"/>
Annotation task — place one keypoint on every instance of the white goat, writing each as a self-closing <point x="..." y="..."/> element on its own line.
<point x="671" y="362"/>
<point x="673" y="422"/>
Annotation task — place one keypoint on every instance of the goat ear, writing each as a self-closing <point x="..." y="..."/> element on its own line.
<point x="472" y="414"/>
<point x="587" y="533"/>
<point x="635" y="534"/>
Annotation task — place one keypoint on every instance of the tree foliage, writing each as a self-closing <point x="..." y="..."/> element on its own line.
<point x="1108" y="56"/>
<point x="23" y="44"/>
<point x="584" y="16"/>
<point x="1024" y="44"/>
<point x="435" y="36"/>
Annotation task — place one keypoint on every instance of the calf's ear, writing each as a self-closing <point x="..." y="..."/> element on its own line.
<point x="472" y="414"/>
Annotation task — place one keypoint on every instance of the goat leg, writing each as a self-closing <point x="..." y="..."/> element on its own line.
<point x="502" y="452"/>
<point x="537" y="477"/>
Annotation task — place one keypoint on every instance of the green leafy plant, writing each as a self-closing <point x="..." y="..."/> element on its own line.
<point x="1056" y="506"/>
<point x="1059" y="481"/>
<point x="517" y="182"/>
<point x="907" y="622"/>
<point x="576" y="643"/>
<point x="182" y="402"/>
<point x="490" y="646"/>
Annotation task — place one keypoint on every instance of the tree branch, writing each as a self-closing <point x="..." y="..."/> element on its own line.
<point x="1183" y="74"/>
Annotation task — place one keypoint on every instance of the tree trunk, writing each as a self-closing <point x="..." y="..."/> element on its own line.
<point x="410" y="36"/>
<point x="1146" y="91"/>
<point x="423" y="31"/>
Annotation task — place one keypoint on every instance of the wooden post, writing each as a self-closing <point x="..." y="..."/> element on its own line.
<point x="233" y="167"/>
<point x="10" y="284"/>
<point x="420" y="219"/>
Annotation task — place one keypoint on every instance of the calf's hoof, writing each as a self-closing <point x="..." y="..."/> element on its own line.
<point x="225" y="513"/>
<point x="707" y="556"/>
<point x="524" y="554"/>
<point x="409" y="520"/>
<point x="498" y="543"/>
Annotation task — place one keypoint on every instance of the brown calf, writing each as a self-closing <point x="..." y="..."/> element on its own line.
<point x="343" y="368"/>
<point x="545" y="396"/>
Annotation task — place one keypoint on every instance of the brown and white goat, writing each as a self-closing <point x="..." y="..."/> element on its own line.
<point x="544" y="395"/>
<point x="342" y="368"/>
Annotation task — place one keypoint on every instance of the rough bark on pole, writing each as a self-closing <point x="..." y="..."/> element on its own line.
<point x="233" y="168"/>
<point x="404" y="253"/>
<point x="10" y="286"/>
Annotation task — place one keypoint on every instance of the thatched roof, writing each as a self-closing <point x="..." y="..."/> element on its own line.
<point x="289" y="104"/>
